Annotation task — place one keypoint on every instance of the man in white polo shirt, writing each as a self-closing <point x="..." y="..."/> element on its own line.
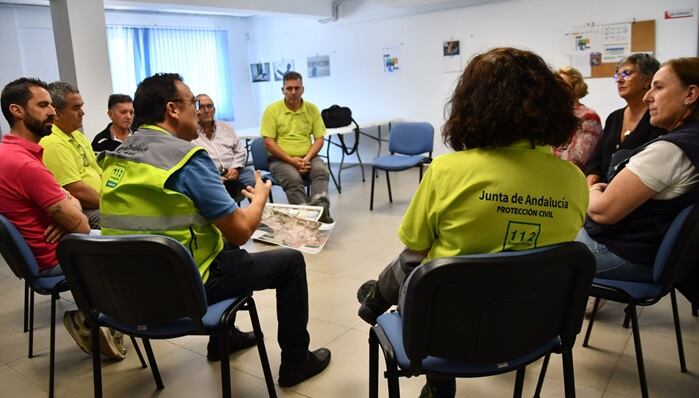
<point x="225" y="149"/>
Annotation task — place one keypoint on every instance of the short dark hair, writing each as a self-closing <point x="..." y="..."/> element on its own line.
<point x="507" y="94"/>
<point x="151" y="96"/>
<point x="687" y="70"/>
<point x="292" y="75"/>
<point x="17" y="92"/>
<point x="59" y="91"/>
<point x="115" y="99"/>
<point x="646" y="64"/>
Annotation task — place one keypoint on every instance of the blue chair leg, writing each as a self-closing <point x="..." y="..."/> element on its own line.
<point x="542" y="375"/>
<point x="373" y="365"/>
<point x="52" y="344"/>
<point x="568" y="374"/>
<point x="26" y="306"/>
<point x="31" y="324"/>
<point x="96" y="362"/>
<point x="678" y="331"/>
<point x="269" y="381"/>
<point x="154" y="365"/>
<point x="388" y="184"/>
<point x="591" y="322"/>
<point x="373" y="181"/>
<point x="639" y="351"/>
<point x="519" y="382"/>
<point x="138" y="352"/>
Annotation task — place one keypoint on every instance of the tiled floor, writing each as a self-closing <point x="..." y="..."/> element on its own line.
<point x="362" y="243"/>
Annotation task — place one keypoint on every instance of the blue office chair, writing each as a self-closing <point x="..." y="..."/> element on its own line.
<point x="676" y="258"/>
<point x="482" y="315"/>
<point x="407" y="144"/>
<point x="148" y="286"/>
<point x="260" y="160"/>
<point x="21" y="260"/>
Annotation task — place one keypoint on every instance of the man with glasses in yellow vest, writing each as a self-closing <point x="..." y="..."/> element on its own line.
<point x="158" y="182"/>
<point x="68" y="154"/>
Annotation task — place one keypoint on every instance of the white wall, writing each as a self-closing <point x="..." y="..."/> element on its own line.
<point x="28" y="50"/>
<point x="420" y="90"/>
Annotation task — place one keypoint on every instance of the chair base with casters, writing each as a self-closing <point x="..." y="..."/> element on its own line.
<point x="483" y="315"/>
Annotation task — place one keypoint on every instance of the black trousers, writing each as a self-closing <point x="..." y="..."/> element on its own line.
<point x="235" y="272"/>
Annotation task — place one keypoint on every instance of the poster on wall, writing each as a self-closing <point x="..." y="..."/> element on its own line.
<point x="260" y="72"/>
<point x="390" y="57"/>
<point x="451" y="56"/>
<point x="319" y="66"/>
<point x="281" y="67"/>
<point x="617" y="42"/>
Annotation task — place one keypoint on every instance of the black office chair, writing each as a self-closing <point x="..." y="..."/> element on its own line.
<point x="676" y="259"/>
<point x="149" y="287"/>
<point x="481" y="315"/>
<point x="21" y="261"/>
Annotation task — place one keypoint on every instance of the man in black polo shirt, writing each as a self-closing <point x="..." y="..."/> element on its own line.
<point x="120" y="111"/>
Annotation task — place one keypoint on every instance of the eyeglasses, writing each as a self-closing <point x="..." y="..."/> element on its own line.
<point x="81" y="151"/>
<point x="195" y="102"/>
<point x="625" y="74"/>
<point x="207" y="107"/>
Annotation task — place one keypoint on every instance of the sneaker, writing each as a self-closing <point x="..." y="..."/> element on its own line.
<point x="74" y="321"/>
<point x="373" y="304"/>
<point x="325" y="203"/>
<point x="112" y="344"/>
<point x="237" y="341"/>
<point x="315" y="363"/>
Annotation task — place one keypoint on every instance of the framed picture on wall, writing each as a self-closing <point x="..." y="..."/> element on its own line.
<point x="259" y="72"/>
<point x="319" y="66"/>
<point x="281" y="67"/>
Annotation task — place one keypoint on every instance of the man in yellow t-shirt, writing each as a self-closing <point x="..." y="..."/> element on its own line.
<point x="68" y="154"/>
<point x="287" y="127"/>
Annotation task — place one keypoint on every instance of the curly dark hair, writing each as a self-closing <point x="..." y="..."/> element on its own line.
<point x="507" y="94"/>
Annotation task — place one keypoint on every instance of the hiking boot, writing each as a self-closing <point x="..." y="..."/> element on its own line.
<point x="325" y="203"/>
<point x="112" y="343"/>
<point x="316" y="362"/>
<point x="237" y="341"/>
<point x="373" y="304"/>
<point x="74" y="321"/>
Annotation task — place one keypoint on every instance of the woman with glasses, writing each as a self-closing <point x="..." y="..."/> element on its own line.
<point x="629" y="127"/>
<point x="628" y="217"/>
<point x="584" y="141"/>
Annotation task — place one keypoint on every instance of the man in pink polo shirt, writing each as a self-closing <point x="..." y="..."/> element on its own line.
<point x="31" y="198"/>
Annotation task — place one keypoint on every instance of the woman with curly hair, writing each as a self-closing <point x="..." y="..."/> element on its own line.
<point x="586" y="136"/>
<point x="501" y="189"/>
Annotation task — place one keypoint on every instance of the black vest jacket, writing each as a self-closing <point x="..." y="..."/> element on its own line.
<point x="637" y="237"/>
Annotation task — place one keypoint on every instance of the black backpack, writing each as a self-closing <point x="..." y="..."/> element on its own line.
<point x="341" y="116"/>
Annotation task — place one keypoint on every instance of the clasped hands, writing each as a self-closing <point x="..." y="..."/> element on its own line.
<point x="303" y="165"/>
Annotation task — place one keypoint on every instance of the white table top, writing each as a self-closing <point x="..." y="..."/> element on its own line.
<point x="254" y="132"/>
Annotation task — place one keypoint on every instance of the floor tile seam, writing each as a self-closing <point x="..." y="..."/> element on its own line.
<point x="9" y="366"/>
<point x="629" y="340"/>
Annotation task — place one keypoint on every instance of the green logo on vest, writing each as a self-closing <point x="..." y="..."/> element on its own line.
<point x="116" y="176"/>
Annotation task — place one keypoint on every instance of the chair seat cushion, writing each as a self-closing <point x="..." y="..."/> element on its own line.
<point x="637" y="291"/>
<point x="397" y="162"/>
<point x="50" y="283"/>
<point x="392" y="325"/>
<point x="179" y="327"/>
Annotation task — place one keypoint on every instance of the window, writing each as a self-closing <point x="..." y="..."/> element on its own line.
<point x="200" y="56"/>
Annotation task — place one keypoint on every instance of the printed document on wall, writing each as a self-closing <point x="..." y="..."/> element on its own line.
<point x="617" y="41"/>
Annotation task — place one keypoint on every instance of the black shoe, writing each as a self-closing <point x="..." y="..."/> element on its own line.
<point x="315" y="363"/>
<point x="439" y="389"/>
<point x="237" y="341"/>
<point x="373" y="304"/>
<point x="325" y="203"/>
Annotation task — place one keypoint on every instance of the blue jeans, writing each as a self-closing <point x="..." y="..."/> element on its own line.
<point x="611" y="266"/>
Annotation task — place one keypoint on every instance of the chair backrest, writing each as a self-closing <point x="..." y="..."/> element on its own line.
<point x="139" y="280"/>
<point x="259" y="154"/>
<point x="492" y="308"/>
<point x="16" y="252"/>
<point x="677" y="255"/>
<point x="411" y="138"/>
